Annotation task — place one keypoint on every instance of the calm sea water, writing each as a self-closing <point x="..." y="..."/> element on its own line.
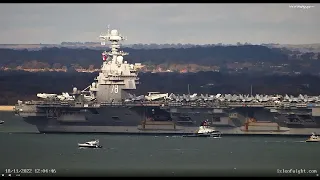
<point x="125" y="155"/>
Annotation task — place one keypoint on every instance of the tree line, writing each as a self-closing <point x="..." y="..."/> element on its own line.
<point x="23" y="85"/>
<point x="215" y="55"/>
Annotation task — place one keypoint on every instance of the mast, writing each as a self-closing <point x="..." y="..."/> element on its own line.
<point x="117" y="77"/>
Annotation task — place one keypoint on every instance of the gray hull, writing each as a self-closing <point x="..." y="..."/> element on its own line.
<point x="133" y="120"/>
<point x="180" y="131"/>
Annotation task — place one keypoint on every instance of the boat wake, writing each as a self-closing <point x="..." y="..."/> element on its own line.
<point x="89" y="148"/>
<point x="215" y="137"/>
<point x="299" y="141"/>
<point x="278" y="141"/>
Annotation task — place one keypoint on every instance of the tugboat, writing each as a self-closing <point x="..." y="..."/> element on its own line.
<point x="205" y="131"/>
<point x="313" y="138"/>
<point x="90" y="144"/>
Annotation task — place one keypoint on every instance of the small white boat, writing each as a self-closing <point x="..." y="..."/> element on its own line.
<point x="205" y="131"/>
<point x="313" y="138"/>
<point x="90" y="144"/>
<point x="1" y="122"/>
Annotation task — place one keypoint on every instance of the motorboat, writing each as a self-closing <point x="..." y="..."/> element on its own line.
<point x="313" y="138"/>
<point x="90" y="144"/>
<point x="205" y="131"/>
<point x="1" y="122"/>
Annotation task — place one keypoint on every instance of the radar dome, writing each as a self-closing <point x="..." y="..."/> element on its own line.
<point x="119" y="58"/>
<point x="74" y="90"/>
<point x="114" y="32"/>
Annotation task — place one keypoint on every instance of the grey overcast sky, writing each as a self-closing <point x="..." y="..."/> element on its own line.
<point x="160" y="23"/>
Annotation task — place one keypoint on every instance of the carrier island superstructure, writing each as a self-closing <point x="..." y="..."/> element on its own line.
<point x="109" y="106"/>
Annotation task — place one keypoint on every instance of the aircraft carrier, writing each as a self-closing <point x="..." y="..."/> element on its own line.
<point x="109" y="106"/>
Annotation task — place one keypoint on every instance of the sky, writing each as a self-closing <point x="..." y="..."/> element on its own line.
<point x="160" y="23"/>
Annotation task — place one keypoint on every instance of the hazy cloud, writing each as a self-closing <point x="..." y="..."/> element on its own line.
<point x="160" y="23"/>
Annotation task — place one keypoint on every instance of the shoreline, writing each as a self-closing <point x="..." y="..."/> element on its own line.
<point x="6" y="108"/>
